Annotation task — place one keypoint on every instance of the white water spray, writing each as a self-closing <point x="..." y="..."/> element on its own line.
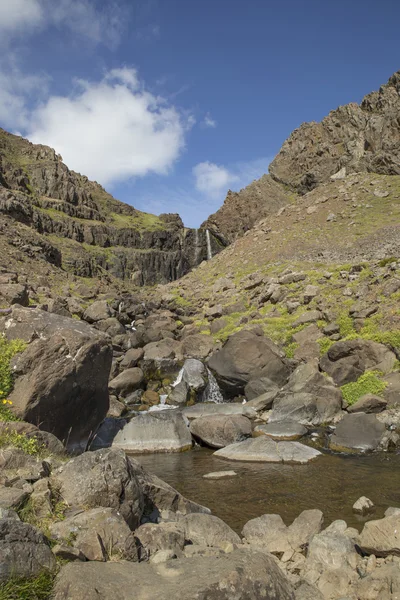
<point x="209" y="250"/>
<point x="212" y="392"/>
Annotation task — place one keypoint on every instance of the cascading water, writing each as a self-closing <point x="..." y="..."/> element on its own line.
<point x="178" y="379"/>
<point x="209" y="249"/>
<point x="212" y="393"/>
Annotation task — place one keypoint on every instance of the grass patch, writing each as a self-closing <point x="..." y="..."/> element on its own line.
<point x="38" y="588"/>
<point x="30" y="446"/>
<point x="7" y="351"/>
<point x="369" y="383"/>
<point x="324" y="345"/>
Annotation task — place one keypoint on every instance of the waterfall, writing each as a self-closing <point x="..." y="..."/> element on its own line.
<point x="178" y="379"/>
<point x="212" y="392"/>
<point x="209" y="250"/>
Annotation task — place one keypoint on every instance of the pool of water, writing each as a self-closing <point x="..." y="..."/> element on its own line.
<point x="331" y="483"/>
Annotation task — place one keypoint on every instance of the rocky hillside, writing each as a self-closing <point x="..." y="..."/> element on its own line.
<point x="59" y="215"/>
<point x="352" y="139"/>
<point x="241" y="210"/>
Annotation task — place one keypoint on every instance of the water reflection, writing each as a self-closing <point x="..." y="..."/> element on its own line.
<point x="331" y="483"/>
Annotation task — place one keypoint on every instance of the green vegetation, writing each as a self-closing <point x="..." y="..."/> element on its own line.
<point x="369" y="383"/>
<point x="324" y="344"/>
<point x="29" y="513"/>
<point x="39" y="588"/>
<point x="30" y="446"/>
<point x="7" y="351"/>
<point x="140" y="220"/>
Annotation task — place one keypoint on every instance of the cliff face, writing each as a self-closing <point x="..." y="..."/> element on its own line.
<point x="241" y="210"/>
<point x="86" y="228"/>
<point x="354" y="138"/>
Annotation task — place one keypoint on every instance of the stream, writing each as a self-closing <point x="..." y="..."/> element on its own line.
<point x="331" y="483"/>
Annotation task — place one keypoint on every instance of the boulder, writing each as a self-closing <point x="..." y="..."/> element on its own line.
<point x="357" y="432"/>
<point x="240" y="574"/>
<point x="104" y="478"/>
<point x="24" y="551"/>
<point x="151" y="538"/>
<point x="369" y="403"/>
<point x="61" y="378"/>
<point x="246" y="356"/>
<point x="207" y="530"/>
<point x="210" y="410"/>
<point x="98" y="311"/>
<point x="195" y="375"/>
<point x="346" y="361"/>
<point x="332" y="551"/>
<point x="99" y="533"/>
<point x="309" y="398"/>
<point x="271" y="533"/>
<point x="162" y="357"/>
<point x="392" y="391"/>
<point x="14" y="293"/>
<point x="382" y="584"/>
<point x="131" y="358"/>
<point x="111" y="326"/>
<point x="363" y="506"/>
<point x="264" y="449"/>
<point x="11" y="497"/>
<point x="127" y="382"/>
<point x="381" y="537"/>
<point x="106" y="433"/>
<point x="258" y="387"/>
<point x="263" y="402"/>
<point x="164" y="431"/>
<point x="281" y="431"/>
<point x="197" y="346"/>
<point x="221" y="430"/>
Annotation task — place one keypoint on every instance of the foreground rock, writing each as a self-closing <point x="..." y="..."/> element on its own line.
<point x="165" y="431"/>
<point x="24" y="551"/>
<point x="247" y="356"/>
<point x="241" y="574"/>
<point x="220" y="431"/>
<point x="207" y="530"/>
<point x="210" y="410"/>
<point x="357" y="432"/>
<point x="61" y="378"/>
<point x="381" y="537"/>
<point x="284" y="431"/>
<point x="104" y="478"/>
<point x="264" y="449"/>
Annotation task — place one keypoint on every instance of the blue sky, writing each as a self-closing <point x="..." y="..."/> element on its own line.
<point x="169" y="103"/>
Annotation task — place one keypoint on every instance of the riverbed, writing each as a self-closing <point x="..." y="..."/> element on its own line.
<point x="331" y="483"/>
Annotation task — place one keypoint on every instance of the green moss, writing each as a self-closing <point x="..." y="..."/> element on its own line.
<point x="290" y="349"/>
<point x="346" y="324"/>
<point x="369" y="383"/>
<point x="7" y="351"/>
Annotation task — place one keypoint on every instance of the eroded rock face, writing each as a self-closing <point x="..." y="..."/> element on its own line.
<point x="240" y="574"/>
<point x="247" y="356"/>
<point x="352" y="138"/>
<point x="104" y="478"/>
<point x="61" y="378"/>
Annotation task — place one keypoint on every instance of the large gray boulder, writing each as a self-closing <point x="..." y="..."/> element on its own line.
<point x="207" y="530"/>
<point x="309" y="398"/>
<point x="220" y="430"/>
<point x="61" y="378"/>
<point x="347" y="361"/>
<point x="127" y="382"/>
<point x="357" y="432"/>
<point x="152" y="538"/>
<point x="104" y="478"/>
<point x="99" y="533"/>
<point x="258" y="387"/>
<point x="242" y="574"/>
<point x="98" y="311"/>
<point x="24" y="551"/>
<point x="264" y="449"/>
<point x="381" y="537"/>
<point x="164" y="431"/>
<point x="247" y="356"/>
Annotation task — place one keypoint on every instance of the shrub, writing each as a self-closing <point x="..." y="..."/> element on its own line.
<point x="19" y="440"/>
<point x="7" y="351"/>
<point x="369" y="383"/>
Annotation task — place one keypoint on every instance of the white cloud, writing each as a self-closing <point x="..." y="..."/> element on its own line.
<point x="17" y="15"/>
<point x="209" y="121"/>
<point x="111" y="130"/>
<point x="212" y="179"/>
<point x="81" y="17"/>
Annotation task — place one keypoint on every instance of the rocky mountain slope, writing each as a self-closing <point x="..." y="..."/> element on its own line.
<point x="73" y="223"/>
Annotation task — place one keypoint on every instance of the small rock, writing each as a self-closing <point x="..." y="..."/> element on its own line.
<point x="219" y="474"/>
<point x="363" y="506"/>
